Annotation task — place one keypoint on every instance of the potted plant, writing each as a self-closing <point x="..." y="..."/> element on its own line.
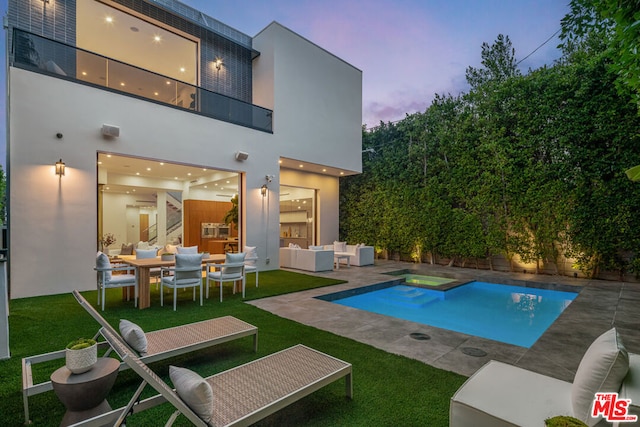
<point x="81" y="355"/>
<point x="231" y="217"/>
<point x="167" y="256"/>
<point x="563" y="421"/>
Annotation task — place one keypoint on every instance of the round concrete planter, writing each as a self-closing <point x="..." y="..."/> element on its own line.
<point x="167" y="257"/>
<point x="79" y="361"/>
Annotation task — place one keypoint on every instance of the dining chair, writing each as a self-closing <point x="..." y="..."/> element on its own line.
<point x="232" y="270"/>
<point x="107" y="280"/>
<point x="251" y="261"/>
<point x="186" y="273"/>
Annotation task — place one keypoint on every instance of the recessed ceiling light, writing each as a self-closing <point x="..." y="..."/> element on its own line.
<point x="161" y="163"/>
<point x="134" y="190"/>
<point x="137" y="173"/>
<point x="155" y="93"/>
<point x="204" y="169"/>
<point x="175" y="177"/>
<point x="99" y="162"/>
<point x="106" y="188"/>
<point x="324" y="170"/>
<point x="148" y="169"/>
<point x="301" y="166"/>
<point x="182" y="70"/>
<point x="108" y="155"/>
<point x="121" y="83"/>
<point x="341" y="173"/>
<point x="280" y="161"/>
<point x="168" y="82"/>
<point x="109" y="19"/>
<point x="228" y="182"/>
<point x="157" y="38"/>
<point x="205" y="186"/>
<point x="189" y="174"/>
<point x="84" y="73"/>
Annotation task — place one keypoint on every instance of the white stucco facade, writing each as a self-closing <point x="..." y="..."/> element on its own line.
<point x="316" y="102"/>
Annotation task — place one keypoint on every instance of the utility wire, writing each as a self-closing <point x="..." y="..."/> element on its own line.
<point x="536" y="49"/>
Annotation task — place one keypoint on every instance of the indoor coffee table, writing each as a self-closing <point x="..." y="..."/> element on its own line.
<point x="84" y="395"/>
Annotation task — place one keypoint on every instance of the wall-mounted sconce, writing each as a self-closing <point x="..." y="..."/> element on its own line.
<point x="60" y="166"/>
<point x="242" y="155"/>
<point x="263" y="190"/>
<point x="218" y="63"/>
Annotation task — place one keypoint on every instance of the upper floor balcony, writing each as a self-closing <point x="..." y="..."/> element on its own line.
<point x="46" y="56"/>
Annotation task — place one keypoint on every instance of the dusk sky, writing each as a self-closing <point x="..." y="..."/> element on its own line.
<point x="408" y="50"/>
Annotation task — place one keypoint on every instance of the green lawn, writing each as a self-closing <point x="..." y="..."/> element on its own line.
<point x="389" y="390"/>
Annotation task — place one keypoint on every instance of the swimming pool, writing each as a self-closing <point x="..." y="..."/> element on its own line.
<point x="510" y="314"/>
<point x="419" y="279"/>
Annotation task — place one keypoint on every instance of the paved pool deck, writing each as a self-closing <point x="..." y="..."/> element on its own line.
<point x="599" y="306"/>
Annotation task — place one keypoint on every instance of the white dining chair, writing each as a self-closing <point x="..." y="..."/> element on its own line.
<point x="187" y="273"/>
<point x="107" y="280"/>
<point x="232" y="270"/>
<point x="251" y="261"/>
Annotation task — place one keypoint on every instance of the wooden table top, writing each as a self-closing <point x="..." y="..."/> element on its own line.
<point x="157" y="262"/>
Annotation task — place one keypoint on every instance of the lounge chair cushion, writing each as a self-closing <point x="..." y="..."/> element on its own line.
<point x="231" y="258"/>
<point x="126" y="249"/>
<point x="602" y="369"/>
<point x="194" y="390"/>
<point x="134" y="336"/>
<point x="339" y="246"/>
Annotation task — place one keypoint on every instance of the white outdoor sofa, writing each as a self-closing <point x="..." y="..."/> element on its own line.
<point x="359" y="255"/>
<point x="500" y="394"/>
<point x="306" y="259"/>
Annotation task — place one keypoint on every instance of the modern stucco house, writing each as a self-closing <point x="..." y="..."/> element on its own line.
<point x="161" y="115"/>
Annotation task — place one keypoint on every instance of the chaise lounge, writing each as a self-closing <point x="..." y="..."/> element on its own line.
<point x="500" y="394"/>
<point x="237" y="397"/>
<point x="160" y="344"/>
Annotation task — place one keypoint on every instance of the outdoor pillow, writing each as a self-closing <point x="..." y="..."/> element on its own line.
<point x="189" y="260"/>
<point x="134" y="336"/>
<point x="102" y="261"/>
<point x="172" y="249"/>
<point x="194" y="390"/>
<point x="602" y="369"/>
<point x="251" y="251"/>
<point x="340" y="246"/>
<point x="316" y="248"/>
<point x="146" y="253"/>
<point x="187" y="250"/>
<point x="126" y="249"/>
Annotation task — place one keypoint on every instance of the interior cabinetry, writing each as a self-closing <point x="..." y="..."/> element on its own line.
<point x="295" y="228"/>
<point x="198" y="211"/>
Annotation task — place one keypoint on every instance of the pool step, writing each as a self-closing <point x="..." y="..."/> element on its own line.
<point x="411" y="297"/>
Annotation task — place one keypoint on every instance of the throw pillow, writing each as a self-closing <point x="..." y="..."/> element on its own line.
<point x="193" y="390"/>
<point x="251" y="251"/>
<point x="316" y="248"/>
<point x="102" y="261"/>
<point x="340" y="246"/>
<point x="172" y="249"/>
<point x="186" y="261"/>
<point x="602" y="369"/>
<point x="126" y="249"/>
<point x="146" y="253"/>
<point x="134" y="336"/>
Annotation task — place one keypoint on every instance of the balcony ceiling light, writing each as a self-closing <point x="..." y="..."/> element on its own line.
<point x="108" y="19"/>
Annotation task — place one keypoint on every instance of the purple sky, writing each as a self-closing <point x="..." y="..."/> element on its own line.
<point x="408" y="50"/>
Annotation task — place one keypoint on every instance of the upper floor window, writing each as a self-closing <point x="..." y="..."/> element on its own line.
<point x="116" y="34"/>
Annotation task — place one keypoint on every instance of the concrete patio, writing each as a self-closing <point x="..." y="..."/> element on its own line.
<point x="599" y="306"/>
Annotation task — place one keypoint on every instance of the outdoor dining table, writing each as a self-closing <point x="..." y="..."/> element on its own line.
<point x="144" y="267"/>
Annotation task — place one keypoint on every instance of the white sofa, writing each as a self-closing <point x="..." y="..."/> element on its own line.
<point x="306" y="259"/>
<point x="500" y="394"/>
<point x="360" y="255"/>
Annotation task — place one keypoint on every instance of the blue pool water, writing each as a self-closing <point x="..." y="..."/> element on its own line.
<point x="510" y="314"/>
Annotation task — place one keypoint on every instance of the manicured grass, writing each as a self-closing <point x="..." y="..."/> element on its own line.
<point x="389" y="390"/>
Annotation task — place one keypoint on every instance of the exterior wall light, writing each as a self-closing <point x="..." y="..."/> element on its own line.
<point x="60" y="166"/>
<point x="263" y="190"/>
<point x="217" y="63"/>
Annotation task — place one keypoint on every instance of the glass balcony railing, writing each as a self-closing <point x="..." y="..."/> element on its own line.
<point x="47" y="56"/>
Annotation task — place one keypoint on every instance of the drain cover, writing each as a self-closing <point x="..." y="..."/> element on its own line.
<point x="474" y="352"/>
<point x="419" y="336"/>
